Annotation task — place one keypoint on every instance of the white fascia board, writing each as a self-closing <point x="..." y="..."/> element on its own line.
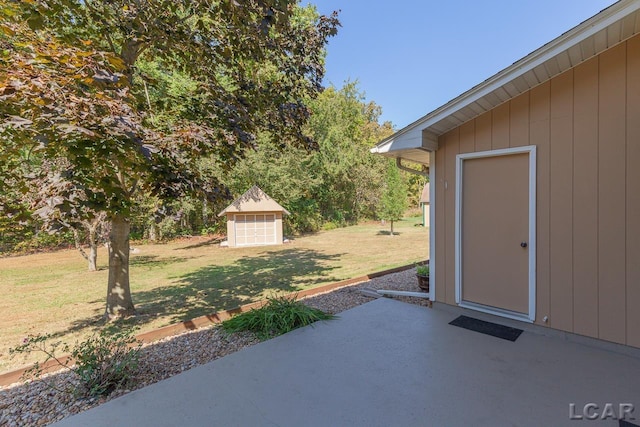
<point x="408" y="140"/>
<point x="561" y="44"/>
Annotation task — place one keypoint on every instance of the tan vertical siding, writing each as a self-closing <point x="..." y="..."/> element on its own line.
<point x="441" y="221"/>
<point x="539" y="136"/>
<point x="585" y="199"/>
<point x="500" y="127"/>
<point x="633" y="192"/>
<point x="279" y="228"/>
<point x="453" y="148"/>
<point x="467" y="137"/>
<point x="519" y="121"/>
<point x="483" y="132"/>
<point x="585" y="124"/>
<point x="231" y="230"/>
<point x="561" y="209"/>
<point x="611" y="194"/>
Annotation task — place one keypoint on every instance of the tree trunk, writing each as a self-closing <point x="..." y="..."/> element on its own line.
<point x="205" y="212"/>
<point x="119" y="302"/>
<point x="91" y="258"/>
<point x="93" y="247"/>
<point x="153" y="232"/>
<point x="391" y="229"/>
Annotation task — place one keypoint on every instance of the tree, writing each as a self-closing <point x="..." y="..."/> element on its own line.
<point x="394" y="197"/>
<point x="340" y="182"/>
<point x="70" y="90"/>
<point x="56" y="215"/>
<point x="346" y="127"/>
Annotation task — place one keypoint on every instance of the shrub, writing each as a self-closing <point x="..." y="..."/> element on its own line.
<point x="422" y="269"/>
<point x="279" y="316"/>
<point x="329" y="225"/>
<point x="103" y="362"/>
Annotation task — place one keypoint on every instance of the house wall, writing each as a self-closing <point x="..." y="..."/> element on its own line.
<point x="231" y="229"/>
<point x="585" y="124"/>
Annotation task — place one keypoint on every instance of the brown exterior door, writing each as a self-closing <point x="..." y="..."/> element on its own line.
<point x="494" y="232"/>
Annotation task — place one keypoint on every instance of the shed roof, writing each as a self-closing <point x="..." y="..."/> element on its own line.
<point x="604" y="30"/>
<point x="424" y="198"/>
<point x="254" y="200"/>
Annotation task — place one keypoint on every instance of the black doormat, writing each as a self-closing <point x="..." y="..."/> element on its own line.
<point x="623" y="423"/>
<point x="493" y="329"/>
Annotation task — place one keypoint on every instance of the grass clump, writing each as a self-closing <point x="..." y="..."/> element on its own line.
<point x="278" y="316"/>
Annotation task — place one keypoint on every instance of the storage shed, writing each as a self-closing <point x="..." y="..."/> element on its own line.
<point x="535" y="202"/>
<point x="254" y="219"/>
<point x="425" y="205"/>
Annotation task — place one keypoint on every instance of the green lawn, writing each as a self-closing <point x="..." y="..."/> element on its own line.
<point x="53" y="292"/>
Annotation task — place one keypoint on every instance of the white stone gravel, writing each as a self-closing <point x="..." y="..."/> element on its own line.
<point x="36" y="404"/>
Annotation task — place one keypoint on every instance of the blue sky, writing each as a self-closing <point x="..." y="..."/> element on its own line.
<point x="412" y="56"/>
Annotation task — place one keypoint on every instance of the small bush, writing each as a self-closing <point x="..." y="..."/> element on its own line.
<point x="279" y="316"/>
<point x="329" y="225"/>
<point x="422" y="269"/>
<point x="104" y="362"/>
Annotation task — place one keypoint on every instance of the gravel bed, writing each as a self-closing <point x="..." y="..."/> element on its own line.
<point x="36" y="404"/>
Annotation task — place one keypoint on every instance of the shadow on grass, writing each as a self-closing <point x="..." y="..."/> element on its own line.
<point x="387" y="233"/>
<point x="214" y="288"/>
<point x="209" y="242"/>
<point x="152" y="261"/>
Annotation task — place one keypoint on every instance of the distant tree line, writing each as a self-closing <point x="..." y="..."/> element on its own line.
<point x="124" y="120"/>
<point x="339" y="184"/>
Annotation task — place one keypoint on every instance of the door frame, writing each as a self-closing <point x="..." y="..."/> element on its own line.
<point x="460" y="158"/>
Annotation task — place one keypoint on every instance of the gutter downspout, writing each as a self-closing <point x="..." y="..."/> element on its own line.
<point x="408" y="169"/>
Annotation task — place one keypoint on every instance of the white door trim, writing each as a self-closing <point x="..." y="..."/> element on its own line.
<point x="460" y="158"/>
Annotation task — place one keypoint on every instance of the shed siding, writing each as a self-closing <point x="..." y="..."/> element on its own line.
<point x="483" y="132"/>
<point x="611" y="194"/>
<point x="633" y="192"/>
<point x="467" y="137"/>
<point x="519" y="121"/>
<point x="561" y="209"/>
<point x="500" y="127"/>
<point x="585" y="124"/>
<point x="585" y="200"/>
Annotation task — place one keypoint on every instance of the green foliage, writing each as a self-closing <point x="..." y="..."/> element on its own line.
<point x="340" y="183"/>
<point x="394" y="198"/>
<point x="103" y="362"/>
<point x="76" y="81"/>
<point x="346" y="127"/>
<point x="329" y="225"/>
<point x="279" y="316"/>
<point x="106" y="361"/>
<point x="422" y="269"/>
<point x="34" y="242"/>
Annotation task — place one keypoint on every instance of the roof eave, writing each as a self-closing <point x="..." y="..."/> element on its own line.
<point x="561" y="44"/>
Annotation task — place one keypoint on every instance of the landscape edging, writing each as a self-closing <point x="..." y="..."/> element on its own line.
<point x="15" y="376"/>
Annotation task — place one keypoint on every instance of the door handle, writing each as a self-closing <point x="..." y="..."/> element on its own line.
<point x="523" y="244"/>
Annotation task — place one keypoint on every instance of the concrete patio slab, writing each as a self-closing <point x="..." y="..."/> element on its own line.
<point x="388" y="363"/>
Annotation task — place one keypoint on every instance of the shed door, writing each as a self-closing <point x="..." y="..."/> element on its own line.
<point x="495" y="221"/>
<point x="255" y="229"/>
